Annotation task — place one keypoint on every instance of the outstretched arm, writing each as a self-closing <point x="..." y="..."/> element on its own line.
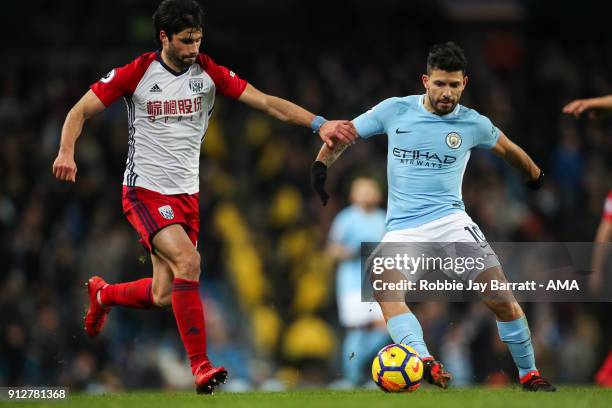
<point x="595" y="107"/>
<point x="520" y="160"/>
<point x="64" y="166"/>
<point x="342" y="130"/>
<point x="600" y="250"/>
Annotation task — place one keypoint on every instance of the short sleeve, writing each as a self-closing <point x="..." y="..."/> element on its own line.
<point x="486" y="134"/>
<point x="226" y="81"/>
<point x="122" y="81"/>
<point x="373" y="121"/>
<point x="607" y="211"/>
<point x="337" y="231"/>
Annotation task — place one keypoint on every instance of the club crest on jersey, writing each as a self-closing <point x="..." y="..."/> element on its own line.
<point x="166" y="212"/>
<point x="108" y="77"/>
<point x="196" y="84"/>
<point x="453" y="140"/>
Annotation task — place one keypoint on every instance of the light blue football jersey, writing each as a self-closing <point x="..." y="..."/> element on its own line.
<point x="427" y="156"/>
<point x="350" y="228"/>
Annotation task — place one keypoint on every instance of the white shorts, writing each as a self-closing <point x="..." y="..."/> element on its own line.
<point x="439" y="238"/>
<point x="353" y="312"/>
<point x="451" y="228"/>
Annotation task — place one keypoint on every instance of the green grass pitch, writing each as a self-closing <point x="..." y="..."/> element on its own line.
<point x="588" y="397"/>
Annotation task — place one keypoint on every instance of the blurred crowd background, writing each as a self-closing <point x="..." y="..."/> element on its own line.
<point x="267" y="283"/>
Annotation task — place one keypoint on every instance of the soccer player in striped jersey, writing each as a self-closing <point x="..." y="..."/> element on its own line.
<point x="595" y="108"/>
<point x="430" y="138"/>
<point x="170" y="96"/>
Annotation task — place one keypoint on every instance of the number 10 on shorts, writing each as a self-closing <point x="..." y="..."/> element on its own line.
<point x="475" y="233"/>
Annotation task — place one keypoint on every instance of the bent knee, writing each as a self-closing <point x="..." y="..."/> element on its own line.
<point x="162" y="297"/>
<point x="188" y="266"/>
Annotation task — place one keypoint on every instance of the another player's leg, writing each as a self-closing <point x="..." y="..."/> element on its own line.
<point x="359" y="347"/>
<point x="351" y="352"/>
<point x="173" y="245"/>
<point x="140" y="294"/>
<point x="514" y="331"/>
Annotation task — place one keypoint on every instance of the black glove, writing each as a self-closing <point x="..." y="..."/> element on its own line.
<point x="537" y="183"/>
<point x="318" y="175"/>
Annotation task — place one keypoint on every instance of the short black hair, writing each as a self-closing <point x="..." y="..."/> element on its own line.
<point x="174" y="16"/>
<point x="448" y="57"/>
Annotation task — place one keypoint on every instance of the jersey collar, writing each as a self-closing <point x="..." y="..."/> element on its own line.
<point x="166" y="67"/>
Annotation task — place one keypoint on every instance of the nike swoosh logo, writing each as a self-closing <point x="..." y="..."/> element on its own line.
<point x="398" y="131"/>
<point x="415" y="368"/>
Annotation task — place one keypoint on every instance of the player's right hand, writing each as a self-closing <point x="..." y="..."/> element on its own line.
<point x="64" y="167"/>
<point x="579" y="106"/>
<point x="341" y="130"/>
<point x="318" y="175"/>
<point x="537" y="183"/>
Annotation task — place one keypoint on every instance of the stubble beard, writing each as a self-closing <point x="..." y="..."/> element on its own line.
<point x="439" y="111"/>
<point x="177" y="60"/>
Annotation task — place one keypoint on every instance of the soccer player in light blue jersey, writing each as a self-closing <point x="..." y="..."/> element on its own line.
<point x="430" y="138"/>
<point x="365" y="333"/>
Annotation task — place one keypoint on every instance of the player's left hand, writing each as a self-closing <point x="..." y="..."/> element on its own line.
<point x="537" y="183"/>
<point x="318" y="176"/>
<point x="576" y="107"/>
<point x="341" y="130"/>
<point x="64" y="167"/>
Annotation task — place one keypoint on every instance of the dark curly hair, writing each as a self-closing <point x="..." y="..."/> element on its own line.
<point x="448" y="57"/>
<point x="174" y="16"/>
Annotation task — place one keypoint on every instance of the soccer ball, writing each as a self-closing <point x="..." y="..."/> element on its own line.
<point x="397" y="368"/>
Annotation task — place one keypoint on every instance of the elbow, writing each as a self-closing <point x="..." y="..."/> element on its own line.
<point x="268" y="109"/>
<point x="510" y="153"/>
<point x="503" y="154"/>
<point x="277" y="113"/>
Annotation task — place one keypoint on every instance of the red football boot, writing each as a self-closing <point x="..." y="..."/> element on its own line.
<point x="208" y="377"/>
<point x="533" y="381"/>
<point x="96" y="314"/>
<point x="433" y="372"/>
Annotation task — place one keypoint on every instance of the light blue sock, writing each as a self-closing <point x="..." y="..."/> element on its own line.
<point x="406" y="329"/>
<point x="374" y="341"/>
<point x="358" y="350"/>
<point x="517" y="337"/>
<point x="352" y="355"/>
